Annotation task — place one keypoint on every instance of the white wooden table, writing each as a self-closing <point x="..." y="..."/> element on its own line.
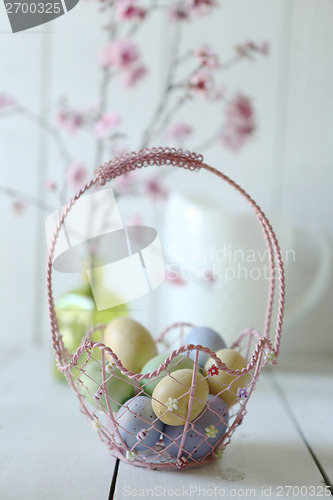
<point x="284" y="448"/>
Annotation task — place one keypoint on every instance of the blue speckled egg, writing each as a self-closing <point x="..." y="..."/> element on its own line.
<point x="203" y="435"/>
<point x="207" y="337"/>
<point x="135" y="418"/>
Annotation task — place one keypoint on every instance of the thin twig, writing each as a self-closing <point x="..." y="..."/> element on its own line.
<point x="26" y="198"/>
<point x="49" y="128"/>
<point x="208" y="143"/>
<point x="164" y="100"/>
<point x="102" y="108"/>
<point x="171" y="113"/>
<point x="231" y="62"/>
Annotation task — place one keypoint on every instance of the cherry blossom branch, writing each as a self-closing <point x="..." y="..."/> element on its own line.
<point x="26" y="198"/>
<point x="172" y="112"/>
<point x="164" y="100"/>
<point x="208" y="143"/>
<point x="102" y="108"/>
<point x="52" y="130"/>
<point x="103" y="93"/>
<point x="233" y="61"/>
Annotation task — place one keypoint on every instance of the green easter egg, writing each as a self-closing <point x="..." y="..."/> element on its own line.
<point x="178" y="363"/>
<point x="119" y="388"/>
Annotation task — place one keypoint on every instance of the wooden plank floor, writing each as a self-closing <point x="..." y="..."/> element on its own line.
<point x="48" y="451"/>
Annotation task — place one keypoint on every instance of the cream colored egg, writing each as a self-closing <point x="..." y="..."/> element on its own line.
<point x="131" y="342"/>
<point x="219" y="384"/>
<point x="171" y="397"/>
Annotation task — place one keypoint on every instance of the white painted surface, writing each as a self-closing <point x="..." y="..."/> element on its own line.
<point x="47" y="448"/>
<point x="307" y="385"/>
<point x="287" y="168"/>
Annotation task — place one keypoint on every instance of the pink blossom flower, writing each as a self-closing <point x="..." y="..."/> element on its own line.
<point x="209" y="276"/>
<point x="240" y="123"/>
<point x="201" y="7"/>
<point x="179" y="13"/>
<point x="51" y="185"/>
<point x="119" y="149"/>
<point x="106" y="123"/>
<point x="155" y="190"/>
<point x="247" y="49"/>
<point x="127" y="10"/>
<point x="70" y="120"/>
<point x="264" y="48"/>
<point x="125" y="182"/>
<point x="120" y="54"/>
<point x="133" y="74"/>
<point x="234" y="138"/>
<point x="174" y="278"/>
<point x="135" y="220"/>
<point x="198" y="3"/>
<point x="92" y="106"/>
<point x="201" y="83"/>
<point x="207" y="56"/>
<point x="240" y="112"/>
<point x="179" y="131"/>
<point x="75" y="176"/>
<point x="18" y="207"/>
<point x="217" y="93"/>
<point x="6" y="101"/>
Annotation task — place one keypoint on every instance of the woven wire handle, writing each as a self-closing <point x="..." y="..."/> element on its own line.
<point x="189" y="161"/>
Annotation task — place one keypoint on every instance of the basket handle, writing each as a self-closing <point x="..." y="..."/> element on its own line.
<point x="190" y="161"/>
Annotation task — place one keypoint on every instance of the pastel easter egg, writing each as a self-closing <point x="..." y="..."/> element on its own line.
<point x="138" y="425"/>
<point x="178" y="363"/>
<point x="171" y="397"/>
<point x="131" y="342"/>
<point x="118" y="387"/>
<point x="207" y="337"/>
<point x="202" y="435"/>
<point x="219" y="383"/>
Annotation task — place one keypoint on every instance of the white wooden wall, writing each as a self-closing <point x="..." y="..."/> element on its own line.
<point x="287" y="167"/>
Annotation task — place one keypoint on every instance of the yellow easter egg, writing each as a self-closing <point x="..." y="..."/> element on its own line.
<point x="131" y="342"/>
<point x="171" y="397"/>
<point x="219" y="384"/>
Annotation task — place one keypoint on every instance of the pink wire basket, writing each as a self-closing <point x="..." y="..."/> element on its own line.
<point x="206" y="421"/>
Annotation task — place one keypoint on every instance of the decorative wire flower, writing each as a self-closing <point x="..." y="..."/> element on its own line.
<point x="213" y="370"/>
<point x="109" y="367"/>
<point x="95" y="425"/>
<point x="181" y="462"/>
<point x="131" y="455"/>
<point x="270" y="356"/>
<point x="218" y="453"/>
<point x="211" y="431"/>
<point x="172" y="404"/>
<point x="242" y="393"/>
<point x="141" y="434"/>
<point x="98" y="394"/>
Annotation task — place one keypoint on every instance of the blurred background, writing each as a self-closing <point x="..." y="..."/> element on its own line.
<point x="285" y="165"/>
